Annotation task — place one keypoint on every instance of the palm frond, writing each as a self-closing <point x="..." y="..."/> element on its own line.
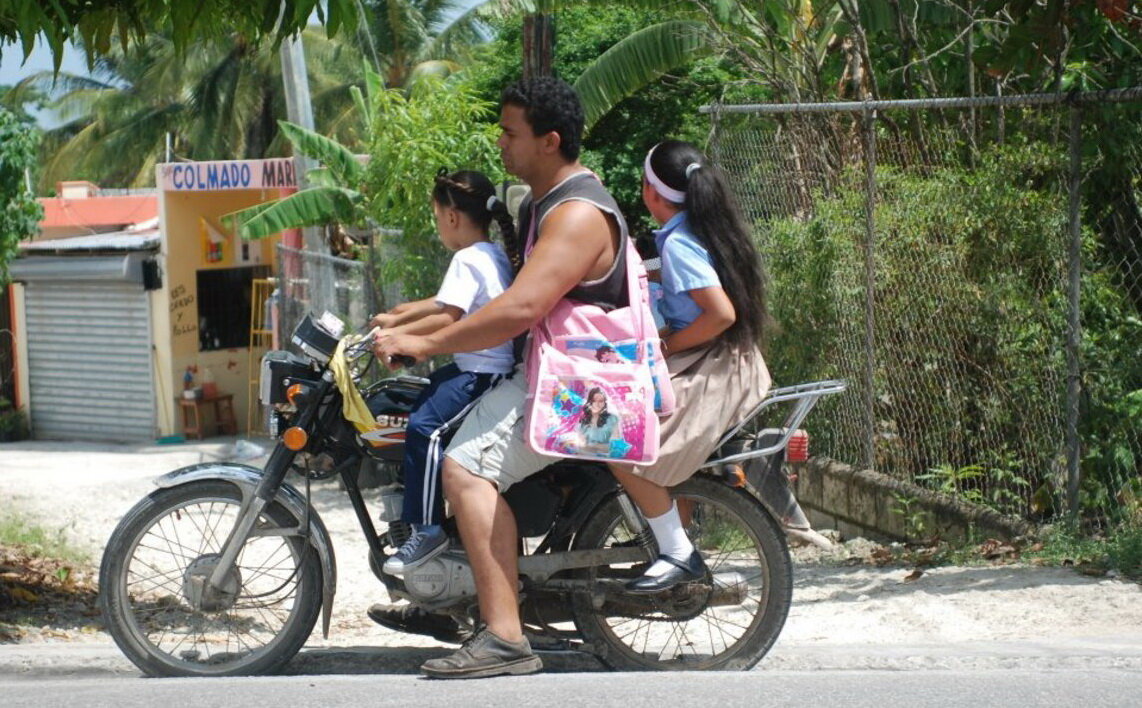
<point x="636" y="61"/>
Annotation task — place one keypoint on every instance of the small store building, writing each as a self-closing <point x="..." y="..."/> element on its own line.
<point x="111" y="327"/>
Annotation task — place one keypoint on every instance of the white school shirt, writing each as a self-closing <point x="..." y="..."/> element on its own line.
<point x="477" y="274"/>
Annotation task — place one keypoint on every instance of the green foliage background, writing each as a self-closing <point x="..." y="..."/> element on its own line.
<point x="20" y="213"/>
<point x="970" y="309"/>
<point x="616" y="145"/>
<point x="441" y="123"/>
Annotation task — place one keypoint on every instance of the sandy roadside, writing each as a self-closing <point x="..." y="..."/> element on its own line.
<point x="838" y="608"/>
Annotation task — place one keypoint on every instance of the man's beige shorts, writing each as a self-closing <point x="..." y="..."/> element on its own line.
<point x="490" y="442"/>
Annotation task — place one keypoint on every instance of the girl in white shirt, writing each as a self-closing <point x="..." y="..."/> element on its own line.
<point x="464" y="204"/>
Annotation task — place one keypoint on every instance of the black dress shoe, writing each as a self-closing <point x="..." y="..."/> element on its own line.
<point x="413" y="620"/>
<point x="694" y="568"/>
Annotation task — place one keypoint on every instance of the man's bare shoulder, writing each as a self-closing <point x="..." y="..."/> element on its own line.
<point x="577" y="219"/>
<point x="580" y="238"/>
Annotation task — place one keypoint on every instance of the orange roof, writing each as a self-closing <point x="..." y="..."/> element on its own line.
<point x="99" y="211"/>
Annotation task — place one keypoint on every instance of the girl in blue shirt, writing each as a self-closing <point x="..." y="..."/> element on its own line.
<point x="714" y="308"/>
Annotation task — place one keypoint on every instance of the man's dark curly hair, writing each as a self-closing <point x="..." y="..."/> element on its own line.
<point x="549" y="104"/>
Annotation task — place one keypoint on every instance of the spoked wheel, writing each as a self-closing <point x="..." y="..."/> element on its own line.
<point x="154" y="579"/>
<point x="728" y="621"/>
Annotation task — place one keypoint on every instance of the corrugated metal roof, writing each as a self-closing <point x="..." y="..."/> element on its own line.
<point x="115" y="241"/>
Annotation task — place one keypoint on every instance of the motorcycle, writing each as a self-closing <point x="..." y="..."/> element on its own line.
<point x="224" y="569"/>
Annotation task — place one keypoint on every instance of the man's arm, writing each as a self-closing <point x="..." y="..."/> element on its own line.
<point x="573" y="245"/>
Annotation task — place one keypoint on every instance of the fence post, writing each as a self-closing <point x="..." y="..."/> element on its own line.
<point x="1074" y="322"/>
<point x="869" y="286"/>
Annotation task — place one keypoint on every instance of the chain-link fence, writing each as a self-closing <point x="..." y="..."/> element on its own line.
<point x="315" y="283"/>
<point x="973" y="267"/>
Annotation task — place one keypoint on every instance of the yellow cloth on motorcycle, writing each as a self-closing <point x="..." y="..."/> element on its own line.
<point x="353" y="407"/>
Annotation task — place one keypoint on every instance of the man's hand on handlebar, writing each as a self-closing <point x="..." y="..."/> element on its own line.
<point x="398" y="350"/>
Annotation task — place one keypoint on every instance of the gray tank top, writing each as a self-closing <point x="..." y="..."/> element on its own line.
<point x="610" y="291"/>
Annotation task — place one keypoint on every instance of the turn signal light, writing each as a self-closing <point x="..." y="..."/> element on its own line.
<point x="294" y="391"/>
<point x="734" y="475"/>
<point x="295" y="438"/>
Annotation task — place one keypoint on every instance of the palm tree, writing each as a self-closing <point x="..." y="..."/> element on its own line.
<point x="335" y="195"/>
<point x="407" y="38"/>
<point x="629" y="65"/>
<point x="411" y="38"/>
<point x="216" y="101"/>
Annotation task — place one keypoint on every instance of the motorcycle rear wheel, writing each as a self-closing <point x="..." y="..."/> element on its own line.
<point x="735" y="534"/>
<point x="153" y="569"/>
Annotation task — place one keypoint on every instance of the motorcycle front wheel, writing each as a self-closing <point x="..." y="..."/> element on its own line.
<point x="693" y="627"/>
<point x="156" y="565"/>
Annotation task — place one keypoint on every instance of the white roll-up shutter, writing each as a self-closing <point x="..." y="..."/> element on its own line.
<point x="89" y="361"/>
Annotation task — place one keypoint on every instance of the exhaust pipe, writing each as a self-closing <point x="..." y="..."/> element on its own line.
<point x="729" y="589"/>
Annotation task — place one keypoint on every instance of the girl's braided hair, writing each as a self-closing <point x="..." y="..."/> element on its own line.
<point x="473" y="194"/>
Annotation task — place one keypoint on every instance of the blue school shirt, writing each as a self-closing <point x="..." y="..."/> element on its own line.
<point x="686" y="266"/>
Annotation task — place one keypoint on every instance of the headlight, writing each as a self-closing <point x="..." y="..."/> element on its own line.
<point x="279" y="371"/>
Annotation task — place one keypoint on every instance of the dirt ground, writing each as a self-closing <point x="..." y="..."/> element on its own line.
<point x="840" y="598"/>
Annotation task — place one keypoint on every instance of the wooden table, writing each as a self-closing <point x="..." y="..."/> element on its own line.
<point x="192" y="418"/>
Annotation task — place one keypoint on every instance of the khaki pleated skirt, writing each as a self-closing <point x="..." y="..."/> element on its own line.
<point x="715" y="388"/>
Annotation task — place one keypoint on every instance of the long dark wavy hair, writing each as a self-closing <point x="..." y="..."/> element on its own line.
<point x="585" y="417"/>
<point x="716" y="220"/>
<point x="473" y="194"/>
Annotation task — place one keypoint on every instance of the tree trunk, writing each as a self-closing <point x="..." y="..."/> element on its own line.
<point x="538" y="45"/>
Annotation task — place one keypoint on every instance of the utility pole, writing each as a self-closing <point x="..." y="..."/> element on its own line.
<point x="299" y="110"/>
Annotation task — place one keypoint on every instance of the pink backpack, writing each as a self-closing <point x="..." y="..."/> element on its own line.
<point x="597" y="379"/>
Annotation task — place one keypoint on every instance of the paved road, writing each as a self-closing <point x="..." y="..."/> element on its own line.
<point x="875" y="689"/>
<point x="67" y="660"/>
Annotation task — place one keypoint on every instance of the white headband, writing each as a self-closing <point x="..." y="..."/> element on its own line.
<point x="668" y="193"/>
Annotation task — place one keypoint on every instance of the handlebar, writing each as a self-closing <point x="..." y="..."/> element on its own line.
<point x="365" y="346"/>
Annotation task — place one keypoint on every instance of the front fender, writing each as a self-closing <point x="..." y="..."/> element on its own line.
<point x="246" y="479"/>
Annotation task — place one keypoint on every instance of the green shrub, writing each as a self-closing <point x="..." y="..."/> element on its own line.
<point x="970" y="310"/>
<point x="443" y="123"/>
<point x="1125" y="551"/>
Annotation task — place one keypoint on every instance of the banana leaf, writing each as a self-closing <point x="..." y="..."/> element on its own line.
<point x="636" y="61"/>
<point x="340" y="161"/>
<point x="316" y="206"/>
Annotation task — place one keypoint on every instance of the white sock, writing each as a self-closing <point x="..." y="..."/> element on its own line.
<point x="672" y="540"/>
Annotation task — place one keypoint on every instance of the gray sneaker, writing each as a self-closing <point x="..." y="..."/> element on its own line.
<point x="420" y="547"/>
<point x="484" y="654"/>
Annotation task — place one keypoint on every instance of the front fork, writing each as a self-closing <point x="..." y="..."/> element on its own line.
<point x="276" y="469"/>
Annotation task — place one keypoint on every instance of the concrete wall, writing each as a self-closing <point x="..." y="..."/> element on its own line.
<point x="865" y="503"/>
